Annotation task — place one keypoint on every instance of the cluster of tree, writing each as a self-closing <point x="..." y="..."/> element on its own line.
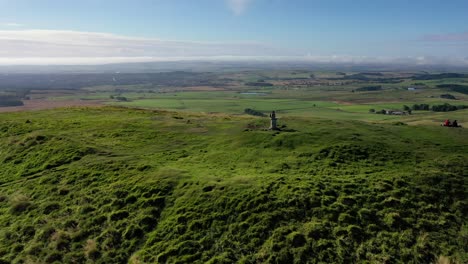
<point x="11" y="103"/>
<point x="448" y="96"/>
<point x="369" y="88"/>
<point x="455" y="87"/>
<point x="366" y="78"/>
<point x="253" y="112"/>
<point x="259" y="84"/>
<point x="407" y="109"/>
<point x="358" y="76"/>
<point x="420" y="107"/>
<point x="436" y="108"/>
<point x="447" y="107"/>
<point x="439" y="76"/>
<point x="6" y="101"/>
<point x="383" y="111"/>
<point x="372" y="73"/>
<point x="119" y="98"/>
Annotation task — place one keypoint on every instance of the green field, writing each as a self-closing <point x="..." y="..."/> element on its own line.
<point x="116" y="185"/>
<point x="290" y="97"/>
<point x="319" y="106"/>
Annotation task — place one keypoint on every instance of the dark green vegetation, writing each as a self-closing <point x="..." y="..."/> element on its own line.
<point x="13" y="98"/>
<point x="448" y="96"/>
<point x="6" y="101"/>
<point x="447" y="107"/>
<point x="437" y="108"/>
<point x="455" y="87"/>
<point x="253" y="112"/>
<point x="440" y="76"/>
<point x="261" y="84"/>
<point x="369" y="88"/>
<point x="113" y="185"/>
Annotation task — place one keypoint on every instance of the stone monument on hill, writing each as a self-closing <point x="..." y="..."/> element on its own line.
<point x="273" y="120"/>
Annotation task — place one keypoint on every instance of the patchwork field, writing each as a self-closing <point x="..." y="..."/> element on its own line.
<point x="331" y="95"/>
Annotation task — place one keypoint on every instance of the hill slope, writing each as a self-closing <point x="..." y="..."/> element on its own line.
<point x="111" y="185"/>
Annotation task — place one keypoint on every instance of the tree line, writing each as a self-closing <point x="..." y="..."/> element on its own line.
<point x="436" y="108"/>
<point x="6" y="101"/>
<point x="253" y="112"/>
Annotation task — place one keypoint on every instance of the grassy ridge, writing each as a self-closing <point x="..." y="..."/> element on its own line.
<point x="112" y="185"/>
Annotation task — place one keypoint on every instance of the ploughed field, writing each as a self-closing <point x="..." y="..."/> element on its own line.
<point x="116" y="185"/>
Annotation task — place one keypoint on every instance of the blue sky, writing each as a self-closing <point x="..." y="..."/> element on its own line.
<point x="158" y="29"/>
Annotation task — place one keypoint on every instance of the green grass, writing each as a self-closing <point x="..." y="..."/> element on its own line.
<point x="116" y="185"/>
<point x="229" y="105"/>
<point x="329" y="102"/>
<point x="294" y="107"/>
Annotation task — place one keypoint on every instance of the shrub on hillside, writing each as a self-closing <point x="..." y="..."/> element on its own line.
<point x="448" y="96"/>
<point x="91" y="250"/>
<point x="455" y="87"/>
<point x="259" y="84"/>
<point x="20" y="203"/>
<point x="369" y="88"/>
<point x="447" y="107"/>
<point x="419" y="107"/>
<point x="50" y="207"/>
<point x="54" y="256"/>
<point x="253" y="112"/>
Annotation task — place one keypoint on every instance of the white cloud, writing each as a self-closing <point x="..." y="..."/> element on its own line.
<point x="11" y="24"/>
<point x="389" y="60"/>
<point x="238" y="6"/>
<point x="71" y="45"/>
<point x="54" y="47"/>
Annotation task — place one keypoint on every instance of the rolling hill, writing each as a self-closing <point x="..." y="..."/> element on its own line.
<point x="118" y="185"/>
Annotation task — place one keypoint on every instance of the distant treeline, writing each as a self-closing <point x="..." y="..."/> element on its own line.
<point x="455" y="87"/>
<point x="364" y="77"/>
<point x="15" y="82"/>
<point x="439" y="76"/>
<point x="369" y="88"/>
<point x="437" y="108"/>
<point x="253" y="112"/>
<point x="448" y="96"/>
<point x="372" y="73"/>
<point x="10" y="101"/>
<point x="259" y="84"/>
<point x="358" y="76"/>
<point x="119" y="98"/>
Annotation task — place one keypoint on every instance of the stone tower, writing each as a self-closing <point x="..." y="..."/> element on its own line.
<point x="273" y="120"/>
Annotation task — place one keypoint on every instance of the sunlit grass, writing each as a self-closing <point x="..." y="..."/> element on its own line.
<point x="114" y="185"/>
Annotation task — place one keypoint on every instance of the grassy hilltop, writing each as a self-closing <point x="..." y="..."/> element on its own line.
<point x="114" y="185"/>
